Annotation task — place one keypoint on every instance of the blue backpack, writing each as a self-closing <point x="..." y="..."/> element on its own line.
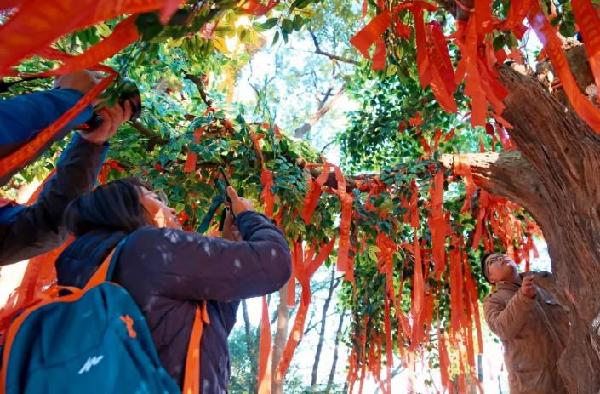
<point x="93" y="340"/>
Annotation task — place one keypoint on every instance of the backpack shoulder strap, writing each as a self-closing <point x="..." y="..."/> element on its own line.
<point x="191" y="380"/>
<point x="105" y="270"/>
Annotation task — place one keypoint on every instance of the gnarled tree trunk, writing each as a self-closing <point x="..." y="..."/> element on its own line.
<point x="556" y="177"/>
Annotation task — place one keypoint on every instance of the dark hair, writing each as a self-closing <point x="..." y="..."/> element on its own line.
<point x="483" y="270"/>
<point x="114" y="206"/>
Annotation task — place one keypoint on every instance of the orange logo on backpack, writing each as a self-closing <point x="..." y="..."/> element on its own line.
<point x="128" y="321"/>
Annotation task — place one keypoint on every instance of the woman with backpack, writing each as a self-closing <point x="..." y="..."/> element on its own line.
<point x="170" y="272"/>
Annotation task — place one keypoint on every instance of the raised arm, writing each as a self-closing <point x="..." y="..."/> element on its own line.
<point x="28" y="231"/>
<point x="22" y="117"/>
<point x="188" y="266"/>
<point x="36" y="229"/>
<point x="506" y="320"/>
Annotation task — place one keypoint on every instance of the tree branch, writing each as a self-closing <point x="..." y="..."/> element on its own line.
<point x="506" y="174"/>
<point x="548" y="132"/>
<point x="338" y="338"/>
<point x="331" y="56"/>
<point x="200" y="85"/>
<point x="324" y="106"/>
<point x="153" y="138"/>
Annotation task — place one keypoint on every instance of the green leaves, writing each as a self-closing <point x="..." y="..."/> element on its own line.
<point x="271" y="22"/>
<point x="302" y="3"/>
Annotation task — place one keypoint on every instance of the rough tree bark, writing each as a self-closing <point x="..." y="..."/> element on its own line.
<point x="283" y="321"/>
<point x="556" y="177"/>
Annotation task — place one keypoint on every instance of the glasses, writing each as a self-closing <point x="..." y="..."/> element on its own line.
<point x="493" y="259"/>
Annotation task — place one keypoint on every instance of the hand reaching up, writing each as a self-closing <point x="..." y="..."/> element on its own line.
<point x="112" y="118"/>
<point x="238" y="204"/>
<point x="528" y="288"/>
<point x="230" y="230"/>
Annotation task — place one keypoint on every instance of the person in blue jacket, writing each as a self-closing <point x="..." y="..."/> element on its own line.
<point x="27" y="231"/>
<point x="23" y="116"/>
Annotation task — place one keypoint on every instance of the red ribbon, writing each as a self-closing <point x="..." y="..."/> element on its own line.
<point x="442" y="73"/>
<point x="444" y="359"/>
<point x="264" y="358"/>
<point x="39" y="23"/>
<point x="18" y="159"/>
<point x="124" y="34"/>
<point x="343" y="262"/>
<point x="589" y="26"/>
<point x="266" y="195"/>
<point x="192" y="157"/>
<point x="314" y="192"/>
<point x="456" y="286"/>
<point x="304" y="268"/>
<point x="437" y="223"/>
<point x="553" y="46"/>
<point x="371" y="33"/>
<point x="254" y="7"/>
<point x="516" y="14"/>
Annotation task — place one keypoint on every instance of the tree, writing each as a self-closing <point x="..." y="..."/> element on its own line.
<point x="558" y="150"/>
<point x="553" y="173"/>
<point x="408" y="231"/>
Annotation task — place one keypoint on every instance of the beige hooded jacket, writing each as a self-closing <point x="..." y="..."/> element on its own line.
<point x="533" y="331"/>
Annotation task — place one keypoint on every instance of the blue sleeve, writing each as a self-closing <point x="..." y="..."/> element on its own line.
<point x="29" y="231"/>
<point x="22" y="117"/>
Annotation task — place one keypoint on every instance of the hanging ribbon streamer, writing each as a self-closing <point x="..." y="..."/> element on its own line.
<point x="305" y="265"/>
<point x="444" y="359"/>
<point x="389" y="361"/>
<point x="589" y="25"/>
<point x="442" y="74"/>
<point x="266" y="195"/>
<point x="371" y="33"/>
<point x="553" y="46"/>
<point x="473" y="84"/>
<point x="343" y="262"/>
<point x="39" y="23"/>
<point x="516" y="15"/>
<point x="437" y="224"/>
<point x="192" y="157"/>
<point x="254" y="7"/>
<point x="456" y="287"/>
<point x="314" y="192"/>
<point x="124" y="34"/>
<point x="18" y="159"/>
<point x="471" y="290"/>
<point x="266" y="177"/>
<point x="264" y="358"/>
